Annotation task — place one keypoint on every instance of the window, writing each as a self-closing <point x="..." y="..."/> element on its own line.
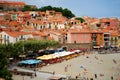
<point x="41" y="27"/>
<point x="66" y="38"/>
<point x="16" y="39"/>
<point x="74" y="42"/>
<point x="28" y="23"/>
<point x="7" y="37"/>
<point x="4" y="37"/>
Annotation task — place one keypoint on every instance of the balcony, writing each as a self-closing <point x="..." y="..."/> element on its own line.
<point x="94" y="43"/>
<point x="22" y="39"/>
<point x="94" y="36"/>
<point x="6" y="39"/>
<point x="106" y="37"/>
<point x="107" y="41"/>
<point x="93" y="40"/>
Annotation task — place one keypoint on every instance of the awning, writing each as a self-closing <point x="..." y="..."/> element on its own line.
<point x="22" y="55"/>
<point x="30" y="61"/>
<point x="96" y="46"/>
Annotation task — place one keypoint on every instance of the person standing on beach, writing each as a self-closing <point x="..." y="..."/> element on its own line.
<point x="91" y="78"/>
<point x="76" y="77"/>
<point x="95" y="75"/>
<point x="53" y="72"/>
<point x="65" y="69"/>
<point x="111" y="77"/>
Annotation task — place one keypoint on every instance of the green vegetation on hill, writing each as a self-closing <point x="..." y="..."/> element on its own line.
<point x="4" y="73"/>
<point x="81" y="19"/>
<point x="29" y="8"/>
<point x="65" y="12"/>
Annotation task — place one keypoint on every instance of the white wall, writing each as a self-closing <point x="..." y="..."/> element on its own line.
<point x="13" y="39"/>
<point x="10" y="39"/>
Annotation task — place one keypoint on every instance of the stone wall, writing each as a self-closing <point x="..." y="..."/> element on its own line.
<point x="77" y="46"/>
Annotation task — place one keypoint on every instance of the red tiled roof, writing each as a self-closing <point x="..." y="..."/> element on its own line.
<point x="13" y="23"/>
<point x="12" y="3"/>
<point x="114" y="33"/>
<point x="28" y="28"/>
<point x="38" y="33"/>
<point x="15" y="34"/>
<point x="105" y="30"/>
<point x="83" y="30"/>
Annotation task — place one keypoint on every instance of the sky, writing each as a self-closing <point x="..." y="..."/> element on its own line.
<point x="91" y="8"/>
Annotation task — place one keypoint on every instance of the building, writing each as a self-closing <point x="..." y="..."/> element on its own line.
<point x="79" y="36"/>
<point x="13" y="37"/>
<point x="97" y="38"/>
<point x="106" y="40"/>
<point x="118" y="41"/>
<point x="114" y="39"/>
<point x="58" y="35"/>
<point x="11" y="6"/>
<point x="0" y="38"/>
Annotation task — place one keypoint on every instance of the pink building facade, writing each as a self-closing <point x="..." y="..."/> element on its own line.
<point x="79" y="37"/>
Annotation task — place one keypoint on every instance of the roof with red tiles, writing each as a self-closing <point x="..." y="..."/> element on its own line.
<point x="73" y="20"/>
<point x="83" y="30"/>
<point x="12" y="3"/>
<point x="105" y="30"/>
<point x="114" y="33"/>
<point x="37" y="33"/>
<point x="4" y="29"/>
<point x="15" y="34"/>
<point x="13" y="24"/>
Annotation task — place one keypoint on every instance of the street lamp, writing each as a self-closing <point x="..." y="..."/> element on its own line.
<point x="23" y="48"/>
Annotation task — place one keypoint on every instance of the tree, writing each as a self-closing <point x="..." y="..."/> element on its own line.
<point x="14" y="50"/>
<point x="4" y="73"/>
<point x="29" y="8"/>
<point x="46" y="8"/>
<point x="81" y="19"/>
<point x="65" y="12"/>
<point x="33" y="45"/>
<point x="58" y="9"/>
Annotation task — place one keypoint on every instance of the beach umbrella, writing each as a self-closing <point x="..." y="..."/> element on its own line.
<point x="31" y="61"/>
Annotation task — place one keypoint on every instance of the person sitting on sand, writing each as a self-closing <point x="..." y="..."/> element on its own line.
<point x="96" y="57"/>
<point x="114" y="61"/>
<point x="111" y="77"/>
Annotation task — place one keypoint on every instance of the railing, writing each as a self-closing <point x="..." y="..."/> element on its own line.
<point x="94" y="36"/>
<point x="93" y="40"/>
<point x="106" y="37"/>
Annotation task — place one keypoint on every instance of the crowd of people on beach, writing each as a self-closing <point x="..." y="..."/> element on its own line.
<point x="95" y="76"/>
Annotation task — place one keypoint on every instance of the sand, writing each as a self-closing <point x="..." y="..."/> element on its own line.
<point x="103" y="65"/>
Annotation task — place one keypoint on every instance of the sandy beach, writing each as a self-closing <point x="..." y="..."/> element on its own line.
<point x="104" y="66"/>
<point x="86" y="66"/>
